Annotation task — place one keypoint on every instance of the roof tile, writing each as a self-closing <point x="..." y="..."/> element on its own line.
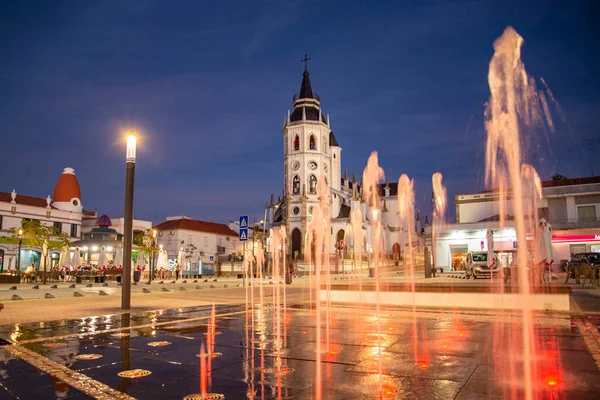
<point x="23" y="200"/>
<point x="195" y="225"/>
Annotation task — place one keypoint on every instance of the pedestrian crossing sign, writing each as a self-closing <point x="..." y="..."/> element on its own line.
<point x="243" y="234"/>
<point x="244" y="221"/>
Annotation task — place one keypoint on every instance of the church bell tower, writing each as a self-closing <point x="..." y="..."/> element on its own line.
<point x="310" y="150"/>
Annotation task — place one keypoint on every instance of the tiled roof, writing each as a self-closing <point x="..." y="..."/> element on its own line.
<point x="570" y="182"/>
<point x="24" y="200"/>
<point x="195" y="225"/>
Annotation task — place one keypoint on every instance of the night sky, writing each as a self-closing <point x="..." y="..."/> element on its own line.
<point x="207" y="85"/>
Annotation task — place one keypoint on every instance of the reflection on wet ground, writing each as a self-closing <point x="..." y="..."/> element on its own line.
<point x="459" y="355"/>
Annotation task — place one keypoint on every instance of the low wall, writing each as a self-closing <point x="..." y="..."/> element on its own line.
<point x="8" y="278"/>
<point x="555" y="298"/>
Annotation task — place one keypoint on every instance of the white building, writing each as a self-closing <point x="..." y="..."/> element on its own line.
<point x="202" y="241"/>
<point x="311" y="150"/>
<point x="571" y="206"/>
<point x="63" y="211"/>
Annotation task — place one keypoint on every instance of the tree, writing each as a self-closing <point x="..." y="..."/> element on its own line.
<point x="34" y="234"/>
<point x="147" y="244"/>
<point x="189" y="253"/>
<point x="47" y="238"/>
<point x="138" y="238"/>
<point x="558" y="177"/>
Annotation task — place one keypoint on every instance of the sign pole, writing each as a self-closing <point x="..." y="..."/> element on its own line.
<point x="244" y="238"/>
<point x="245" y="262"/>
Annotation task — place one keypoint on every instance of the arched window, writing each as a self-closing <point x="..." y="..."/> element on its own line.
<point x="296" y="185"/>
<point x="296" y="143"/>
<point x="312" y="143"/>
<point x="312" y="184"/>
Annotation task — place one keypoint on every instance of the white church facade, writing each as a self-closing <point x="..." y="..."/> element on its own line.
<point x="311" y="150"/>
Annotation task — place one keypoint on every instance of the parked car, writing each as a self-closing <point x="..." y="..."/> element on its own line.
<point x="582" y="259"/>
<point x="476" y="265"/>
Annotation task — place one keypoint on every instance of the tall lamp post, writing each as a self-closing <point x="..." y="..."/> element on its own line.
<point x="20" y="235"/>
<point x="128" y="237"/>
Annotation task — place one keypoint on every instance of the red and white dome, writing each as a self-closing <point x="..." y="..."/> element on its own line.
<point x="67" y="194"/>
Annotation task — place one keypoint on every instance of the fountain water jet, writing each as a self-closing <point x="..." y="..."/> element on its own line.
<point x="372" y="175"/>
<point x="317" y="234"/>
<point x="514" y="103"/>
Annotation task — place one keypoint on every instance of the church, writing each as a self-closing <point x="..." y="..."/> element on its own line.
<point x="310" y="150"/>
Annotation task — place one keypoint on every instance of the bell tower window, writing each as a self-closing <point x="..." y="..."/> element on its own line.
<point x="296" y="143"/>
<point x="296" y="185"/>
<point x="312" y="184"/>
<point x="312" y="143"/>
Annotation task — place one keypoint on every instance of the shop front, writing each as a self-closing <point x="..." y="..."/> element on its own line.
<point x="456" y="240"/>
<point x="569" y="242"/>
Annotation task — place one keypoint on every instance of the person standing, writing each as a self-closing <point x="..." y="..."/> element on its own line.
<point x="177" y="271"/>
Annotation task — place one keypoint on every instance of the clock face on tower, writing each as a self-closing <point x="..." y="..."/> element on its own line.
<point x="312" y="165"/>
<point x="295" y="165"/>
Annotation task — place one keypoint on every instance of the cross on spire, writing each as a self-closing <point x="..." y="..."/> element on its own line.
<point x="305" y="60"/>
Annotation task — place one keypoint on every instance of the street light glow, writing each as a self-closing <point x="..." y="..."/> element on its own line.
<point x="131" y="145"/>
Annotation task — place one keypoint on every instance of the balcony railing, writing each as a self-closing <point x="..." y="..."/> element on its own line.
<point x="574" y="224"/>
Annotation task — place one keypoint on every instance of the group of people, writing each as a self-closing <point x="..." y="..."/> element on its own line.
<point x="161" y="273"/>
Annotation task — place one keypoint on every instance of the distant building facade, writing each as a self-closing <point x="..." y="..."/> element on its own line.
<point x="203" y="242"/>
<point x="571" y="206"/>
<point x="64" y="211"/>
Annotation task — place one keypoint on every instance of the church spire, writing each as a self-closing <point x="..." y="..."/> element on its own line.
<point x="306" y="89"/>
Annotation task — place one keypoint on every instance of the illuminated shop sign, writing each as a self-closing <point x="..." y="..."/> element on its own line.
<point x="576" y="238"/>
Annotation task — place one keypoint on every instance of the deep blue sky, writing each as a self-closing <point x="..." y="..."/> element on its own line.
<point x="208" y="83"/>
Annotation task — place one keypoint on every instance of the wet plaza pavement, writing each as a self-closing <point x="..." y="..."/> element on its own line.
<point x="456" y="355"/>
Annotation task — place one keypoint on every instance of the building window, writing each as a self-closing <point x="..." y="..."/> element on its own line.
<point x="312" y="184"/>
<point x="586" y="213"/>
<point x="312" y="142"/>
<point x="0" y="221"/>
<point x="296" y="143"/>
<point x="57" y="227"/>
<point x="73" y="230"/>
<point x="296" y="210"/>
<point x="296" y="185"/>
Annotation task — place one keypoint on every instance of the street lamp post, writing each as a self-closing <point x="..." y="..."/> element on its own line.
<point x="20" y="235"/>
<point x="128" y="226"/>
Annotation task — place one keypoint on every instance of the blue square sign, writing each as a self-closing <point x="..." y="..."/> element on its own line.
<point x="243" y="234"/>
<point x="244" y="222"/>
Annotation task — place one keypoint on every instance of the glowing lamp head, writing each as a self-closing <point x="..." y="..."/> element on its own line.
<point x="161" y="246"/>
<point x="131" y="143"/>
<point x="20" y="232"/>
